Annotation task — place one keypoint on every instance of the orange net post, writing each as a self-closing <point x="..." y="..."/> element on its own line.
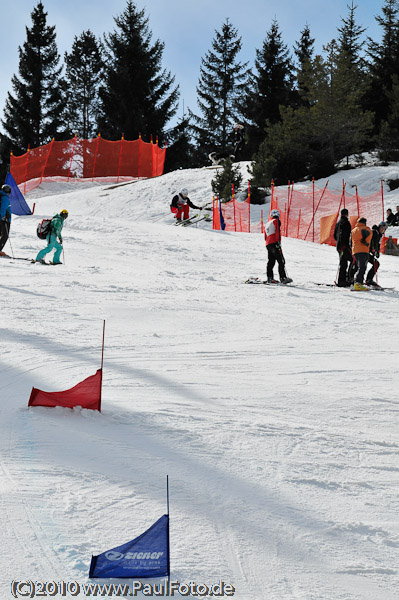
<point x="73" y="150"/>
<point x="47" y="157"/>
<point x="26" y="169"/>
<point x="382" y="201"/>
<point x="120" y="158"/>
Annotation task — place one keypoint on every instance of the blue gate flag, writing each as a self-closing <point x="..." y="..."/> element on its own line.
<point x="18" y="204"/>
<point x="222" y="223"/>
<point x="145" y="556"/>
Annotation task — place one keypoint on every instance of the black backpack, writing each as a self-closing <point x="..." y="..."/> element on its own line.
<point x="43" y="229"/>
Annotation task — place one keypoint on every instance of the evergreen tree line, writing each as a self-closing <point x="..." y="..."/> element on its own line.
<point x="303" y="112"/>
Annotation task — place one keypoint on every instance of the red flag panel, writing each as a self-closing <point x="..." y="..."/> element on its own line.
<point x="86" y="394"/>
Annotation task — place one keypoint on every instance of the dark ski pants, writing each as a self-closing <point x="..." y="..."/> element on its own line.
<point x="346" y="268"/>
<point x="274" y="253"/>
<point x="361" y="264"/>
<point x="4" y="233"/>
<point x="373" y="269"/>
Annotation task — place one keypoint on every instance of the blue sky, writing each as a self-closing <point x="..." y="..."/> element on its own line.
<point x="187" y="28"/>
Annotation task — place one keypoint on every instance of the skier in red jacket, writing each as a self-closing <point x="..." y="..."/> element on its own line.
<point x="274" y="252"/>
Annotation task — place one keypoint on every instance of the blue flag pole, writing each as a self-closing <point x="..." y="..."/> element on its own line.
<point x="167" y="533"/>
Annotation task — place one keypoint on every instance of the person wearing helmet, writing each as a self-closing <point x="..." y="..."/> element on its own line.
<point x="54" y="239"/>
<point x="273" y="246"/>
<point x="375" y="244"/>
<point x="181" y="204"/>
<point x="5" y="216"/>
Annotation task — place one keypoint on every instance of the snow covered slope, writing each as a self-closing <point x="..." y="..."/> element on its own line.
<point x="272" y="409"/>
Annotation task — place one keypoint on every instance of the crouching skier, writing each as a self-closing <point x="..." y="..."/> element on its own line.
<point x="57" y="223"/>
<point x="181" y="205"/>
<point x="273" y="246"/>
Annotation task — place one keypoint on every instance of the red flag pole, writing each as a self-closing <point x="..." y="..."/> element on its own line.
<point x="102" y="364"/>
<point x="102" y="350"/>
<point x="382" y="200"/>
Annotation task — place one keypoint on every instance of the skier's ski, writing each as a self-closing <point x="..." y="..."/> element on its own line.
<point x="40" y="262"/>
<point x="183" y="221"/>
<point x="14" y="257"/>
<point x="192" y="222"/>
<point x="258" y="281"/>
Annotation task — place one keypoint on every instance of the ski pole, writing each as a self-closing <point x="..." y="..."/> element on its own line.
<point x="336" y="274"/>
<point x="8" y="234"/>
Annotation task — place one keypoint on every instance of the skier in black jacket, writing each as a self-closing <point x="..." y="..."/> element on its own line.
<point x="378" y="233"/>
<point x="342" y="234"/>
<point x="237" y="140"/>
<point x="181" y="205"/>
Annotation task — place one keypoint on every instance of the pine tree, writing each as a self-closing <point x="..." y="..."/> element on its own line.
<point x="311" y="139"/>
<point x="84" y="71"/>
<point x="273" y="85"/>
<point x="384" y="63"/>
<point x="138" y="95"/>
<point x="223" y="83"/>
<point x="34" y="113"/>
<point x="222" y="183"/>
<point x="304" y="50"/>
<point x="388" y="139"/>
<point x="180" y="152"/>
<point x="349" y="125"/>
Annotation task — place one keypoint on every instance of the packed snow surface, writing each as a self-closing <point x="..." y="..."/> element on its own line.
<point x="274" y="410"/>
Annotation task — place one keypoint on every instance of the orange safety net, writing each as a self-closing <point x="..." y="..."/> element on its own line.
<point x="312" y="214"/>
<point x="305" y="213"/>
<point x="236" y="215"/>
<point x="95" y="159"/>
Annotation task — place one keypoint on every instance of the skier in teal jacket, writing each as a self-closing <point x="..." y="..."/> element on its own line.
<point x="54" y="238"/>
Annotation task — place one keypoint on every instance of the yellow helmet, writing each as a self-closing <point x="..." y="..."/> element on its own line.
<point x="64" y="213"/>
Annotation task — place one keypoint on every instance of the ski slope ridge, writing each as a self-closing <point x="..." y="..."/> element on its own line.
<point x="272" y="409"/>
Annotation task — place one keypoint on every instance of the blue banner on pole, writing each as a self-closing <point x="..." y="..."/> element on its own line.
<point x="145" y="556"/>
<point x="222" y="223"/>
<point x="18" y="204"/>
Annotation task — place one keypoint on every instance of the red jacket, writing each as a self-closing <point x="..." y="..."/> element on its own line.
<point x="272" y="231"/>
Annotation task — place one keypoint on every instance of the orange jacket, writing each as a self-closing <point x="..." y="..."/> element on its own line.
<point x="361" y="238"/>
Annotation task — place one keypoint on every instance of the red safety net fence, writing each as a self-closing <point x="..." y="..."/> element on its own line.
<point x="84" y="160"/>
<point x="311" y="214"/>
<point x="306" y="213"/>
<point x="233" y="215"/>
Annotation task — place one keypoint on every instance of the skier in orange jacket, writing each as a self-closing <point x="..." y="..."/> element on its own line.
<point x="361" y="238"/>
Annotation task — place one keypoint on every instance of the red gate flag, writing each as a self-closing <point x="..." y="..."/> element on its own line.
<point x="86" y="394"/>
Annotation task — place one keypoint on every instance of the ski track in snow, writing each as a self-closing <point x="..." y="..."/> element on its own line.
<point x="272" y="409"/>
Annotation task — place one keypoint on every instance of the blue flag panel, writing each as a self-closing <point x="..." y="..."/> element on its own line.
<point x="18" y="204"/>
<point x="145" y="556"/>
<point x="222" y="223"/>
